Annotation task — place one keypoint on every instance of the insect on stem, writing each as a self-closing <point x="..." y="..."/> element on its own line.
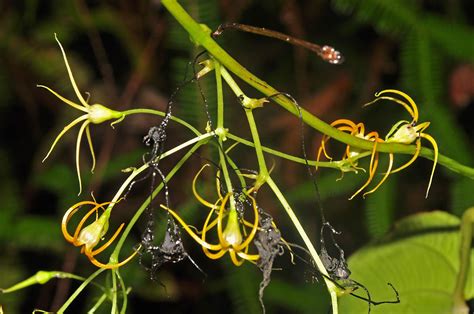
<point x="327" y="53"/>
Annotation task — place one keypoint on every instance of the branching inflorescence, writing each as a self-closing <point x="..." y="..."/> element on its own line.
<point x="233" y="223"/>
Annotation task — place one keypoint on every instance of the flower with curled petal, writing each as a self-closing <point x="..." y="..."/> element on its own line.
<point x="350" y="153"/>
<point x="90" y="236"/>
<point x="234" y="233"/>
<point x="407" y="132"/>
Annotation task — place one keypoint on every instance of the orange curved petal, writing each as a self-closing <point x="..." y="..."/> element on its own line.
<point x="67" y="216"/>
<point x="413" y="158"/>
<point x="374" y="160"/>
<point x="112" y="266"/>
<point x="387" y="173"/>
<point x="109" y="242"/>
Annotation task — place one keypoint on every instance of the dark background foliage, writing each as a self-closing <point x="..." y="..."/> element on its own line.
<point x="133" y="54"/>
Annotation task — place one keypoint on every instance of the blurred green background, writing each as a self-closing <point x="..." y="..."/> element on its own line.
<point x="129" y="54"/>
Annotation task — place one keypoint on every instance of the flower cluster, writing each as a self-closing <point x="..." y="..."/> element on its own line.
<point x="351" y="154"/>
<point x="403" y="132"/>
<point x="234" y="233"/>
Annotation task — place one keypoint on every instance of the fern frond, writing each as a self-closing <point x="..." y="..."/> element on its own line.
<point x="422" y="77"/>
<point x="454" y="39"/>
<point x="397" y="17"/>
<point x="191" y="107"/>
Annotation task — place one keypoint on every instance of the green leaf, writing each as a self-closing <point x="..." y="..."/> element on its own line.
<point x="420" y="258"/>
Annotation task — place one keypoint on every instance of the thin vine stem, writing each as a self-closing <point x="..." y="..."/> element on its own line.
<point x="124" y="292"/>
<point x="79" y="290"/>
<point x="459" y="300"/>
<point x="114" y="292"/>
<point x="201" y="35"/>
<point x="263" y="172"/>
<point x="97" y="304"/>
<point x="145" y="204"/>
<point x="221" y="131"/>
<point x="312" y="250"/>
<point x="161" y="114"/>
<point x="170" y="152"/>
<point x="313" y="163"/>
<point x="220" y="95"/>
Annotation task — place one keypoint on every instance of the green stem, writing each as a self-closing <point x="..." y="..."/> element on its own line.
<point x="114" y="292"/>
<point x="97" y="304"/>
<point x="314" y="163"/>
<point x="222" y="132"/>
<point x="237" y="170"/>
<point x="41" y="277"/>
<point x="124" y="292"/>
<point x="201" y="36"/>
<point x="145" y="204"/>
<point x="220" y="95"/>
<point x="79" y="290"/>
<point x="136" y="172"/>
<point x="314" y="254"/>
<point x="263" y="171"/>
<point x="161" y="114"/>
<point x="262" y="166"/>
<point x="459" y="304"/>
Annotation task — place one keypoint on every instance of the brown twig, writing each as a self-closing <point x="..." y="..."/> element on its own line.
<point x="327" y="53"/>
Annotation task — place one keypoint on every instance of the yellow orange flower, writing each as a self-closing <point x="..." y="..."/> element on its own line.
<point x="89" y="236"/>
<point x="234" y="233"/>
<point x="407" y="132"/>
<point x="358" y="130"/>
